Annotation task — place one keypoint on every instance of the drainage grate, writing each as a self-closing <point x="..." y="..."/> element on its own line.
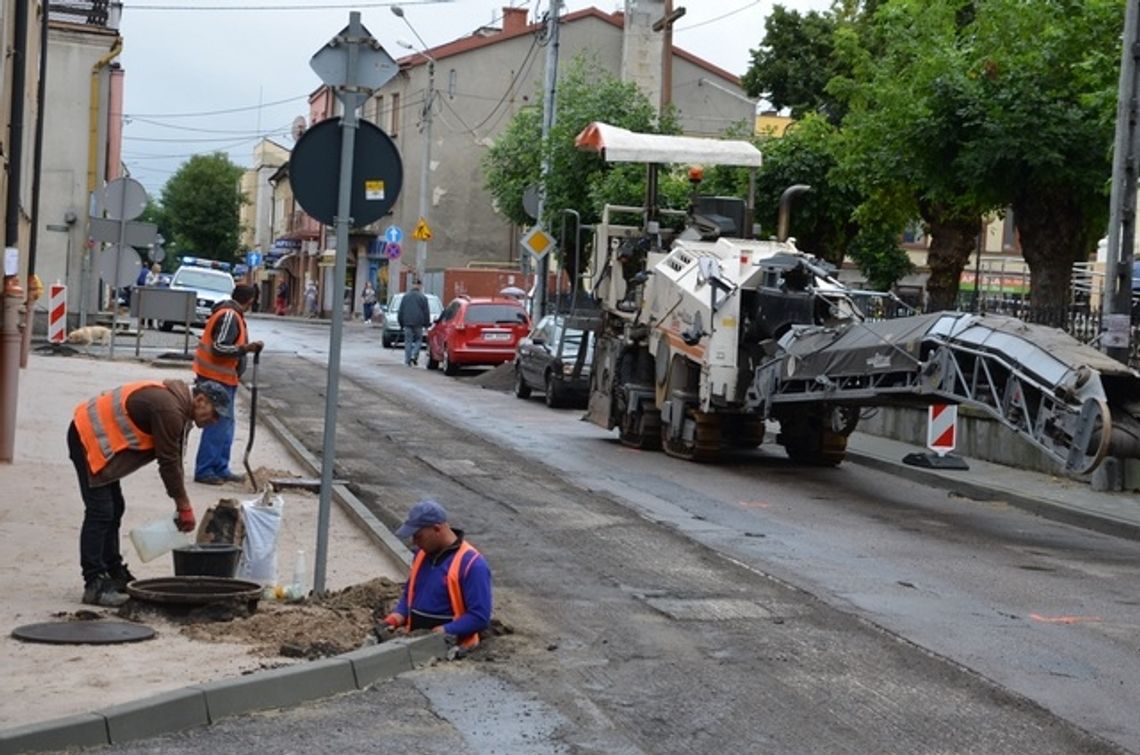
<point x="708" y="609"/>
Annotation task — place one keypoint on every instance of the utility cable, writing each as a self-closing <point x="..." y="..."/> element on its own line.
<point x="217" y="112"/>
<point x="309" y="7"/>
<point x="741" y="9"/>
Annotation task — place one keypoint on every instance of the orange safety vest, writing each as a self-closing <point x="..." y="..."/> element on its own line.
<point x="458" y="608"/>
<point x="209" y="365"/>
<point x="105" y="428"/>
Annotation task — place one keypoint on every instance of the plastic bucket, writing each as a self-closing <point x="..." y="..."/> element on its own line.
<point x="206" y="560"/>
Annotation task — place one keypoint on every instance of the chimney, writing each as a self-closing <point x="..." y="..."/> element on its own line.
<point x="514" y="20"/>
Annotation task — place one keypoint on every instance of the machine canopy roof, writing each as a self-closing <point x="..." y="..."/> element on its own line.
<point x="619" y="145"/>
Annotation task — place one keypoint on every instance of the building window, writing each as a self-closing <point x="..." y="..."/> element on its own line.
<point x="1008" y="233"/>
<point x="395" y="115"/>
<point x="914" y="233"/>
<point x="377" y="109"/>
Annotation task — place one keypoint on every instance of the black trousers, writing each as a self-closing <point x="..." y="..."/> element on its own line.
<point x="103" y="507"/>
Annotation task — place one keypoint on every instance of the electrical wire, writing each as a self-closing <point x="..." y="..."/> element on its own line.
<point x="203" y="113"/>
<point x="698" y="25"/>
<point x="182" y="140"/>
<point x="309" y="7"/>
<point x="129" y="120"/>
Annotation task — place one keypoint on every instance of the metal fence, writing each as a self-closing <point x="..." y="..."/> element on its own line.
<point x="102" y="13"/>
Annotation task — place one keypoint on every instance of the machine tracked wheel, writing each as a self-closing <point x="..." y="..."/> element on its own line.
<point x="706" y="445"/>
<point x="745" y="432"/>
<point x="646" y="436"/>
<point x="818" y="447"/>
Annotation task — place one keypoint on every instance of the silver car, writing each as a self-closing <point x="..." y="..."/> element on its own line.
<point x="392" y="334"/>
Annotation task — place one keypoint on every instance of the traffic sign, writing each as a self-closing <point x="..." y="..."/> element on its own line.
<point x="122" y="199"/>
<point x="393" y="234"/>
<point x="121" y="261"/>
<point x="422" y="231"/>
<point x="393" y="249"/>
<point x="253" y="259"/>
<point x="942" y="428"/>
<point x="133" y="232"/>
<point x="537" y="241"/>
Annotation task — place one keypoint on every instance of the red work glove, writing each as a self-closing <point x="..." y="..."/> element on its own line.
<point x="185" y="520"/>
<point x="394" y="620"/>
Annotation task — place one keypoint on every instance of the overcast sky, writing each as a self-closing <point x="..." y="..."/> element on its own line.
<point x="185" y="60"/>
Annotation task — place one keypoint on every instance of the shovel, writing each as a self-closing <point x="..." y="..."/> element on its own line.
<point x="252" y="419"/>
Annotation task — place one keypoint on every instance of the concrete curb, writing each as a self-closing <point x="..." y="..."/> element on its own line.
<point x="1072" y="514"/>
<point x="205" y="704"/>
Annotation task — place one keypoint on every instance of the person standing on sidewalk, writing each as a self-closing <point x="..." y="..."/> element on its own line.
<point x="414" y="315"/>
<point x="220" y="357"/>
<point x="117" y="433"/>
<point x="368" y="298"/>
<point x="449" y="587"/>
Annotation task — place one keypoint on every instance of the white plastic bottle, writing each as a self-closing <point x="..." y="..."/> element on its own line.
<point x="300" y="576"/>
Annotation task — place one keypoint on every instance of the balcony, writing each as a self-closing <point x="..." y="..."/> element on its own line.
<point x="104" y="14"/>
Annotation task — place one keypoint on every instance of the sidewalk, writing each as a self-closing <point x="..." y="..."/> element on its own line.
<point x="40" y="581"/>
<point x="1052" y="497"/>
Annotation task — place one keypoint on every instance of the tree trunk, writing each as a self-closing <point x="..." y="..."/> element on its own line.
<point x="952" y="240"/>
<point x="1053" y="236"/>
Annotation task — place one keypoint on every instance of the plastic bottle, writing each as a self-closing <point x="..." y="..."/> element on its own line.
<point x="158" y="537"/>
<point x="300" y="576"/>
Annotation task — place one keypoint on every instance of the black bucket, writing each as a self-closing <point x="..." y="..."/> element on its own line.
<point x="206" y="560"/>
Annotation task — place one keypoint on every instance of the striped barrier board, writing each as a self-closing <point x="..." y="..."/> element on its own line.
<point x="57" y="313"/>
<point x="942" y="428"/>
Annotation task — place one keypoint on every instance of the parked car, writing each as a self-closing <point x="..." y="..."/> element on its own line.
<point x="211" y="284"/>
<point x="552" y="360"/>
<point x="481" y="331"/>
<point x="391" y="334"/>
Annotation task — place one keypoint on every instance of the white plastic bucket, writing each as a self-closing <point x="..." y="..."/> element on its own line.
<point x="159" y="537"/>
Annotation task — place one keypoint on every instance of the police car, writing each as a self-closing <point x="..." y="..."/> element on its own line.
<point x="210" y="279"/>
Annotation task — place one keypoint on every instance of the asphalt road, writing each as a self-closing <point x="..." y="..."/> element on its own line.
<point x="750" y="606"/>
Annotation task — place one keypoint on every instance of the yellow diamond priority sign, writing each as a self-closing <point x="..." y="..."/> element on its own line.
<point x="537" y="241"/>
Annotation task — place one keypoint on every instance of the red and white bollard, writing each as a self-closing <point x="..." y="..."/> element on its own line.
<point x="941" y="438"/>
<point x="57" y="313"/>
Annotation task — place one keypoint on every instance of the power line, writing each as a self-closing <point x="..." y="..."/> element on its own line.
<point x="130" y="120"/>
<point x="308" y="7"/>
<point x="718" y="18"/>
<point x="216" y="112"/>
<point x="183" y="140"/>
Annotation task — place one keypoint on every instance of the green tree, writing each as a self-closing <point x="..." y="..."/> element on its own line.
<point x="794" y="62"/>
<point x="578" y="180"/>
<point x="154" y="213"/>
<point x="201" y="204"/>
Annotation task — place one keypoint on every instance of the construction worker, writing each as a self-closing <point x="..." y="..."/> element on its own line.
<point x="116" y="433"/>
<point x="221" y="357"/>
<point x="449" y="587"/>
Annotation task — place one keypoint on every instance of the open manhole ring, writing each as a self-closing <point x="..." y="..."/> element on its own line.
<point x="195" y="591"/>
<point x="83" y="632"/>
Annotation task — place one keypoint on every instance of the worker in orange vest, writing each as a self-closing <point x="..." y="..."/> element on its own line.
<point x="449" y="587"/>
<point x="221" y="357"/>
<point x="115" y="434"/>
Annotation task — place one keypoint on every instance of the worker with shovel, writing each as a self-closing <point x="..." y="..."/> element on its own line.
<point x="449" y="586"/>
<point x="117" y="433"/>
<point x="220" y="357"/>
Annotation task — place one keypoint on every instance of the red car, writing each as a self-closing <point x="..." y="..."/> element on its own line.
<point x="478" y="331"/>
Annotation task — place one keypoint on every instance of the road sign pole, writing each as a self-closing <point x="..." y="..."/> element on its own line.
<point x="120" y="188"/>
<point x="538" y="305"/>
<point x="343" y="222"/>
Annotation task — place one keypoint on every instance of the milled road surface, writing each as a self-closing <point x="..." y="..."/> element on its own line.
<point x="630" y="635"/>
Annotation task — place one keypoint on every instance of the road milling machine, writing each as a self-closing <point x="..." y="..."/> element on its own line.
<point x="707" y="335"/>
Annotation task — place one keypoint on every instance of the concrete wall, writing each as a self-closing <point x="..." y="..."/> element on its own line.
<point x="72" y="51"/>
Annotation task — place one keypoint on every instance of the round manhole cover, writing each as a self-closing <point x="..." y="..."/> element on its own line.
<point x="194" y="591"/>
<point x="83" y="632"/>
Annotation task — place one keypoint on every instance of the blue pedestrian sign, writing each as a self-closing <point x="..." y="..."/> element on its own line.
<point x="253" y="259"/>
<point x="393" y="234"/>
<point x="394" y="250"/>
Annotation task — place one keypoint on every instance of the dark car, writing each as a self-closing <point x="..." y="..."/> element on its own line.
<point x="477" y="331"/>
<point x="552" y="360"/>
<point x="391" y="334"/>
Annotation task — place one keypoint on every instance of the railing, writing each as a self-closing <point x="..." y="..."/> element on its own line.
<point x="101" y="13"/>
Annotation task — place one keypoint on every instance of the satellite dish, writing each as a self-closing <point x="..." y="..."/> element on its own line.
<point x="299" y="127"/>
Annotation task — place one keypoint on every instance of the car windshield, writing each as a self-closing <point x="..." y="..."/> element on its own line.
<point x="495" y="314"/>
<point x="200" y="279"/>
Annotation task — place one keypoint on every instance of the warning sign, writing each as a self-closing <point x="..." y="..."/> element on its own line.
<point x="537" y="241"/>
<point x="942" y="427"/>
<point x="374" y="190"/>
<point x="422" y="232"/>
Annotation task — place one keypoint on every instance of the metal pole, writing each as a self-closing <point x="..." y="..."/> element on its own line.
<point x="542" y="269"/>
<point x="348" y="125"/>
<point x="121" y="187"/>
<point x="1116" y="306"/>
<point x="425" y="169"/>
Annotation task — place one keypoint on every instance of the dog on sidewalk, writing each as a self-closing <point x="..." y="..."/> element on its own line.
<point x="89" y="335"/>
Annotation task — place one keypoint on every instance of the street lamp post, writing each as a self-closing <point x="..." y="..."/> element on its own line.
<point x="425" y="164"/>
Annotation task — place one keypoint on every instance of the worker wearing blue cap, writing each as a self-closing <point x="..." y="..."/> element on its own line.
<point x="449" y="587"/>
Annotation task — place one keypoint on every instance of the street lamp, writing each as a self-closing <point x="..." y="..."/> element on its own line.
<point x="421" y="245"/>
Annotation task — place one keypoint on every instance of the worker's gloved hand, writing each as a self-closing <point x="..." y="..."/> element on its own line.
<point x="394" y="620"/>
<point x="185" y="520"/>
<point x="255" y="346"/>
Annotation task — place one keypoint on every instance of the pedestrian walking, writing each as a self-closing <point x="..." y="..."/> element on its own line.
<point x="117" y="433"/>
<point x="368" y="297"/>
<point x="281" y="305"/>
<point x="220" y="357"/>
<point x="152" y="279"/>
<point x="449" y="586"/>
<point x="414" y="315"/>
<point x="310" y="299"/>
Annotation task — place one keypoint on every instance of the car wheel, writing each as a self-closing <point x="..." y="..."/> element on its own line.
<point x="553" y="394"/>
<point x="522" y="390"/>
<point x="432" y="362"/>
<point x="387" y="342"/>
<point x="449" y="367"/>
<point x="166" y="326"/>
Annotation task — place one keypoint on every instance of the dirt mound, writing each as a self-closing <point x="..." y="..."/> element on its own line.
<point x="318" y="627"/>
<point x="501" y="378"/>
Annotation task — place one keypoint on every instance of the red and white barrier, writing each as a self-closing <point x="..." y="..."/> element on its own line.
<point x="57" y="313"/>
<point x="942" y="428"/>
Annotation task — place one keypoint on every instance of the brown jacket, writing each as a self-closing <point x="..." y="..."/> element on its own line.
<point x="167" y="414"/>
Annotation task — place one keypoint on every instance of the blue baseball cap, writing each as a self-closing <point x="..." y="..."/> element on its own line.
<point x="218" y="394"/>
<point x="424" y="514"/>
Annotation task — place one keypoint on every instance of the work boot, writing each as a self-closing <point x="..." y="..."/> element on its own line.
<point x="121" y="577"/>
<point x="233" y="477"/>
<point x="101" y="591"/>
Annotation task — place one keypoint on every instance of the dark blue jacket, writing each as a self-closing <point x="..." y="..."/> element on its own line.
<point x="432" y="598"/>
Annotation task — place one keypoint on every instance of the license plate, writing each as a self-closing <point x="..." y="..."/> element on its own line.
<point x="496" y="336"/>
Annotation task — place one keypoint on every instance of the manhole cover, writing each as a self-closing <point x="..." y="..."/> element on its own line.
<point x="83" y="632"/>
<point x="708" y="609"/>
<point x="194" y="591"/>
